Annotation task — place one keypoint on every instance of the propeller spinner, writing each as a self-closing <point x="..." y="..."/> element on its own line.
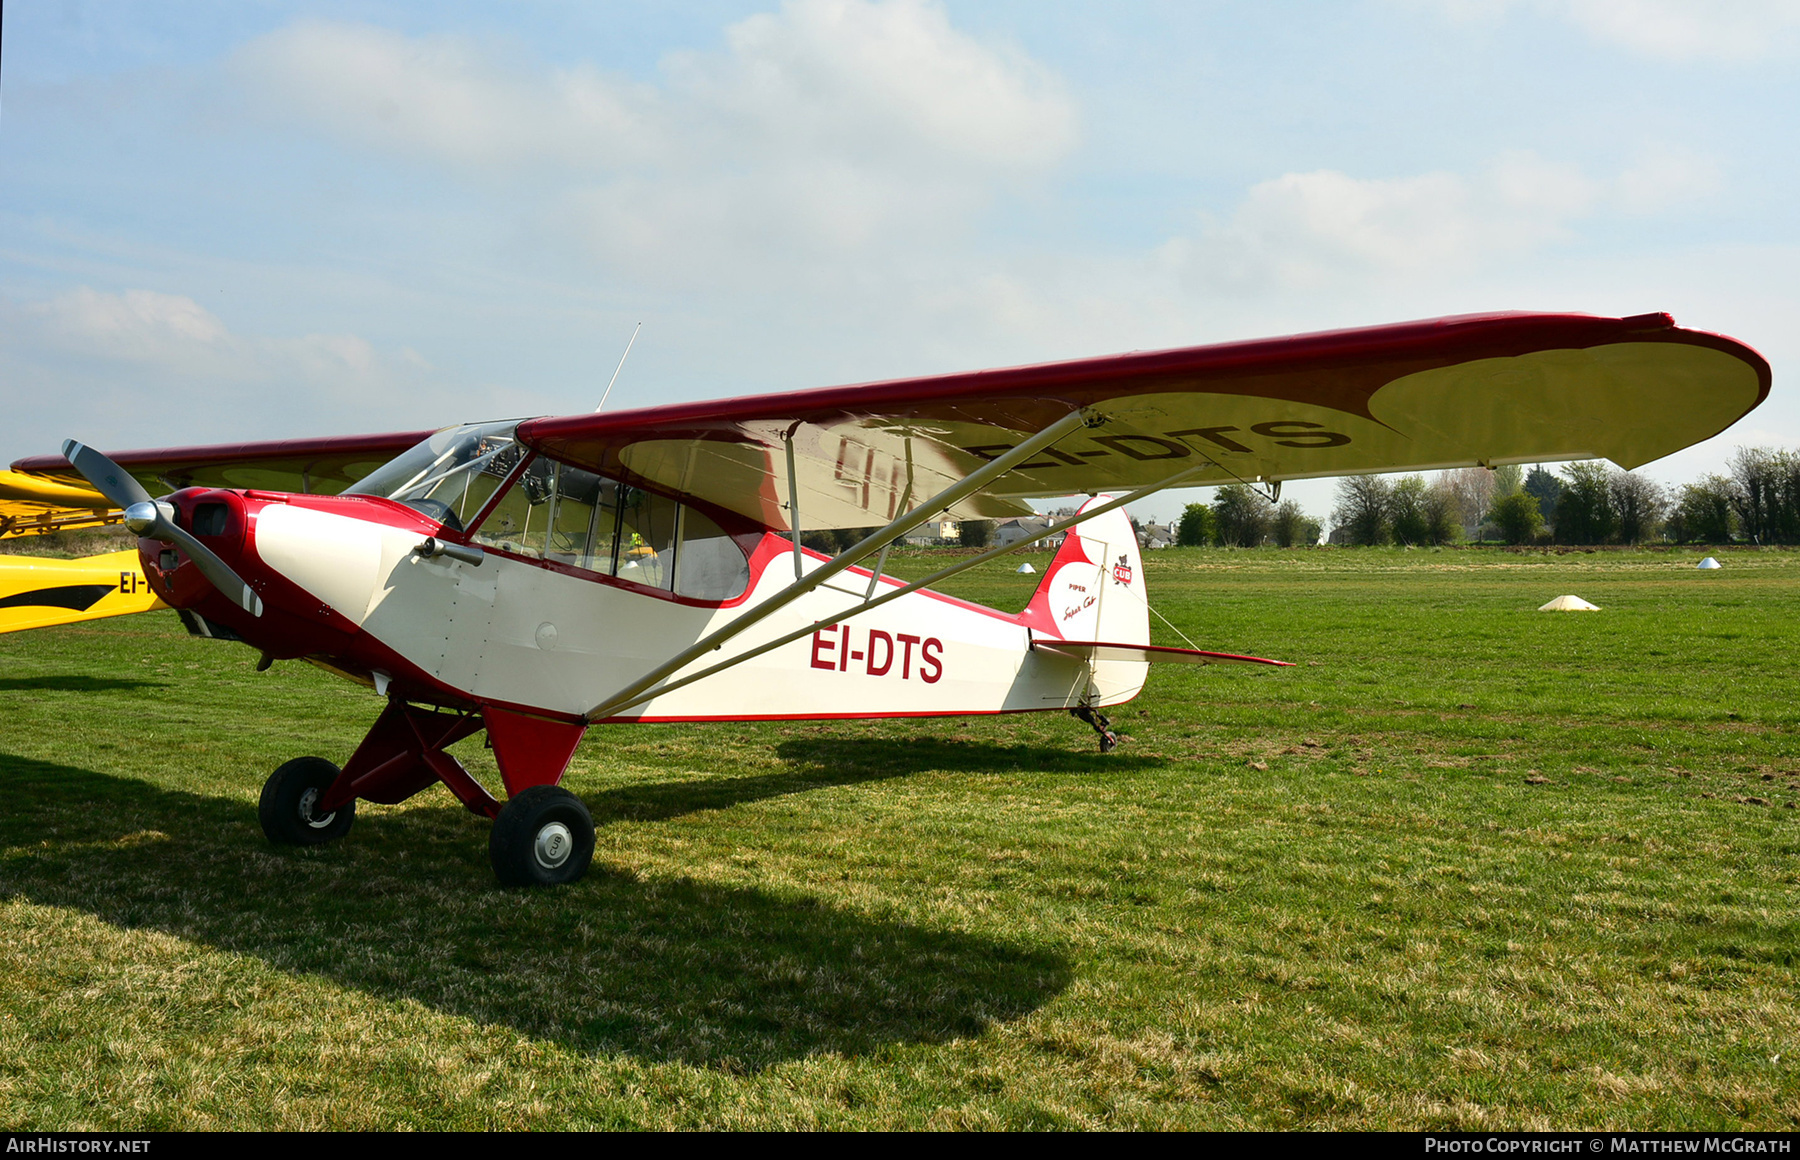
<point x="154" y="519"/>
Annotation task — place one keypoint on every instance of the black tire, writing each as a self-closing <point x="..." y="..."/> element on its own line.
<point x="287" y="798"/>
<point x="543" y="837"/>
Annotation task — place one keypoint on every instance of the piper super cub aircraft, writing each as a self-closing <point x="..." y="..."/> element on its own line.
<point x="534" y="577"/>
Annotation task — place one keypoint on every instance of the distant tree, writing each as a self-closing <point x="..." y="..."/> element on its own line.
<point x="1704" y="511"/>
<point x="1290" y="525"/>
<point x="1639" y="503"/>
<point x="1407" y="518"/>
<point x="1584" y="510"/>
<point x="1471" y="490"/>
<point x="842" y="538"/>
<point x="1443" y="514"/>
<point x="1362" y="509"/>
<point x="1198" y="528"/>
<point x="1518" y="517"/>
<point x="1767" y="494"/>
<point x="975" y="533"/>
<point x="1242" y="515"/>
<point x="1546" y="489"/>
<point x="1509" y="479"/>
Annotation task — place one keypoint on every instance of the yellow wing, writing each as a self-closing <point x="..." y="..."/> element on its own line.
<point x="31" y="505"/>
<point x="38" y="593"/>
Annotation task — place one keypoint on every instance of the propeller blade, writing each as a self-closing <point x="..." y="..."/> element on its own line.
<point x="229" y="583"/>
<point x="108" y="478"/>
<point x="155" y="520"/>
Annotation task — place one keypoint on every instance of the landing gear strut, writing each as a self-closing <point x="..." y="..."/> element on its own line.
<point x="1102" y="726"/>
<point x="289" y="809"/>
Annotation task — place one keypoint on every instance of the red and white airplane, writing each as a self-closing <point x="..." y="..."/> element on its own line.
<point x="534" y="577"/>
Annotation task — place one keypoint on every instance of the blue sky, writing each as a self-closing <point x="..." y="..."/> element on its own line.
<point x="224" y="221"/>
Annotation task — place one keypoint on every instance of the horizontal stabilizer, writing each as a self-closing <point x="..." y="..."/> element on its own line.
<point x="1096" y="650"/>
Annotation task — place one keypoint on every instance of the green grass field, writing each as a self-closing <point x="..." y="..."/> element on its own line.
<point x="1467" y="865"/>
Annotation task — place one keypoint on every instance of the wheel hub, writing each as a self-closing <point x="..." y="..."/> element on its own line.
<point x="308" y="800"/>
<point x="553" y="846"/>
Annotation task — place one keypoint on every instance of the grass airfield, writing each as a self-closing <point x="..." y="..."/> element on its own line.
<point x="1465" y="866"/>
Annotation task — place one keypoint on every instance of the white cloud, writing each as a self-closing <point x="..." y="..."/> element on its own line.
<point x="443" y="98"/>
<point x="116" y="351"/>
<point x="1664" y="177"/>
<point x="1735" y="31"/>
<point x="1311" y="230"/>
<point x="828" y="128"/>
<point x="140" y="326"/>
<point x="850" y="79"/>
<point x="1326" y="228"/>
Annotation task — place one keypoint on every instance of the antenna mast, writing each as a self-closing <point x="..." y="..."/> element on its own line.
<point x="617" y="369"/>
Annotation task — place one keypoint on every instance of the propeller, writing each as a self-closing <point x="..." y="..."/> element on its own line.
<point x="154" y="519"/>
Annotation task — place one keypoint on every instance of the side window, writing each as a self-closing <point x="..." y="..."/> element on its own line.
<point x="646" y="552"/>
<point x="520" y="520"/>
<point x="562" y="513"/>
<point x="710" y="565"/>
<point x="583" y="520"/>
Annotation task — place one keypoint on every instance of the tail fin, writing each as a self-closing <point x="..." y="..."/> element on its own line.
<point x="1094" y="589"/>
<point x="38" y="593"/>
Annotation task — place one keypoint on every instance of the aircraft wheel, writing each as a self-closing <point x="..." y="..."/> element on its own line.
<point x="543" y="837"/>
<point x="286" y="810"/>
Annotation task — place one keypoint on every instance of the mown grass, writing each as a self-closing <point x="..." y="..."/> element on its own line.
<point x="1467" y="865"/>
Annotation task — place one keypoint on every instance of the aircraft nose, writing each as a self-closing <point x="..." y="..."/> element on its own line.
<point x="193" y="547"/>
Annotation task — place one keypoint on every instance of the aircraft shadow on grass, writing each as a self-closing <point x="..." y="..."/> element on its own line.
<point x="661" y="969"/>
<point x="815" y="763"/>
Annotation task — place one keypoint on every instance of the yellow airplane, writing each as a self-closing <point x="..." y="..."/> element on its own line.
<point x="36" y="592"/>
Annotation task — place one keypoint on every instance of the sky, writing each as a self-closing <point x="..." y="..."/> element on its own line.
<point x="228" y="221"/>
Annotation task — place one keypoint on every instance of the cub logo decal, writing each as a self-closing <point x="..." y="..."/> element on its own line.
<point x="1122" y="571"/>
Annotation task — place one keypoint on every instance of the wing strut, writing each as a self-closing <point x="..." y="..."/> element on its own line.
<point x="793" y="500"/>
<point x="629" y="698"/>
<point x="962" y="489"/>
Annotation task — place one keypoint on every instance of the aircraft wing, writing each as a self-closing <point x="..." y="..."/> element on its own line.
<point x="31" y="505"/>
<point x="1450" y="392"/>
<point x="44" y="493"/>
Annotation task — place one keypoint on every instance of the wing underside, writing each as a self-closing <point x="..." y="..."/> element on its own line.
<point x="1454" y="392"/>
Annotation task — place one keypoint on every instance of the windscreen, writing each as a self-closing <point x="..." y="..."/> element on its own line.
<point x="449" y="476"/>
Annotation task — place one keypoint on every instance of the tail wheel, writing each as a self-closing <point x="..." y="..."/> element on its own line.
<point x="289" y="808"/>
<point x="543" y="837"/>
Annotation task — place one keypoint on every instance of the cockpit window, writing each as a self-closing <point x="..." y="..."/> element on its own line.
<point x="561" y="513"/>
<point x="449" y="476"/>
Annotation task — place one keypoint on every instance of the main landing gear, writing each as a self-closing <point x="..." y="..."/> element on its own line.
<point x="542" y="836"/>
<point x="289" y="809"/>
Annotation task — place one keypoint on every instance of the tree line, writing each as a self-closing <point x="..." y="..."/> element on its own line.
<point x="1588" y="502"/>
<point x="1242" y="517"/>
